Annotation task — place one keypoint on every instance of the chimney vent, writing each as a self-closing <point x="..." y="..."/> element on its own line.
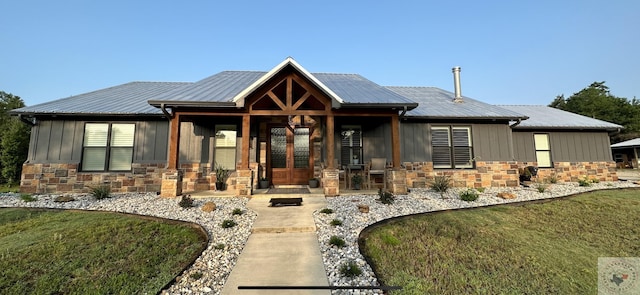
<point x="456" y="84"/>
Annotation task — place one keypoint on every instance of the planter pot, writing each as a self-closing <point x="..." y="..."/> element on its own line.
<point x="313" y="183"/>
<point x="356" y="186"/>
<point x="264" y="184"/>
<point x="221" y="186"/>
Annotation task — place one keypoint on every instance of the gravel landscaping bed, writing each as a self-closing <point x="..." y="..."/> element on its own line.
<point x="214" y="265"/>
<point x="345" y="209"/>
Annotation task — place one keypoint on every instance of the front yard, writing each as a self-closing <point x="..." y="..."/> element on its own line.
<point x="548" y="248"/>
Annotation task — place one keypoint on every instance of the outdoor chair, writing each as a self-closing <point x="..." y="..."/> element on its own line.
<point x="377" y="166"/>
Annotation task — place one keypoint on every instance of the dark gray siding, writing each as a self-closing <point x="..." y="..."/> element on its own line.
<point x="491" y="142"/>
<point x="584" y="146"/>
<point x="195" y="142"/>
<point x="60" y="141"/>
<point x="376" y="142"/>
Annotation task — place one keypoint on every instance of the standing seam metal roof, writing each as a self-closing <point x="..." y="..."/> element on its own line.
<point x="547" y="117"/>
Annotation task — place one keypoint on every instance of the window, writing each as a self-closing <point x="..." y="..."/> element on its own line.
<point x="351" y="141"/>
<point x="543" y="150"/>
<point x="108" y="146"/>
<point x="451" y="146"/>
<point x="225" y="153"/>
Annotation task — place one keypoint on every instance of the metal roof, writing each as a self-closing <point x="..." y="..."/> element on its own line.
<point x="225" y="86"/>
<point x="437" y="103"/>
<point x="551" y="118"/>
<point x="627" y="144"/>
<point x="126" y="99"/>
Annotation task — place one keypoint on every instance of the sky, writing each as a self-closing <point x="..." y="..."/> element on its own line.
<point x="511" y="52"/>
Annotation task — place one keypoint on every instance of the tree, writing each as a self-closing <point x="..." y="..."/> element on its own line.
<point x="596" y="101"/>
<point x="14" y="139"/>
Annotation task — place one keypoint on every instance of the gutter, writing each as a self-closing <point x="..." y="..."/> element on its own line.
<point x="29" y="121"/>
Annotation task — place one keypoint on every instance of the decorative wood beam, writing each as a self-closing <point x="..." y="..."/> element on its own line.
<point x="301" y="100"/>
<point x="331" y="154"/>
<point x="395" y="141"/>
<point x="174" y="142"/>
<point x="289" y="93"/>
<point x="246" y="128"/>
<point x="276" y="100"/>
<point x="288" y="113"/>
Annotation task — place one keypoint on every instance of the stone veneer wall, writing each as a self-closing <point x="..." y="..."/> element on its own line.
<point x="65" y="178"/>
<point x="485" y="174"/>
<point x="574" y="171"/>
<point x="197" y="177"/>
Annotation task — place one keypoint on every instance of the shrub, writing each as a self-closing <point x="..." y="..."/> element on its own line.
<point x="350" y="269"/>
<point x="469" y="195"/>
<point x="336" y="222"/>
<point x="228" y="223"/>
<point x="237" y="211"/>
<point x="553" y="178"/>
<point x="584" y="182"/>
<point x="186" y="201"/>
<point x="595" y="180"/>
<point x="101" y="192"/>
<point x="337" y="241"/>
<point x="480" y="189"/>
<point x="196" y="275"/>
<point x="326" y="211"/>
<point x="541" y="187"/>
<point x="441" y="183"/>
<point x="28" y="198"/>
<point x="386" y="197"/>
<point x="219" y="246"/>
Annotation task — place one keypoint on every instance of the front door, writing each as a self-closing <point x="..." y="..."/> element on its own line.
<point x="289" y="155"/>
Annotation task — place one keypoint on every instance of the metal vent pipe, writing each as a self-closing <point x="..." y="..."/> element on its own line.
<point x="456" y="84"/>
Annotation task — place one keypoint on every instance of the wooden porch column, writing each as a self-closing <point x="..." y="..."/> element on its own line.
<point x="395" y="141"/>
<point x="331" y="154"/>
<point x="174" y="142"/>
<point x="246" y="126"/>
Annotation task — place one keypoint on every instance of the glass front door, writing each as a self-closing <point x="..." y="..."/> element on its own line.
<point x="290" y="158"/>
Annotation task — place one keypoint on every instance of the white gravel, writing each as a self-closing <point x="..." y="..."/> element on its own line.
<point x="215" y="265"/>
<point x="417" y="201"/>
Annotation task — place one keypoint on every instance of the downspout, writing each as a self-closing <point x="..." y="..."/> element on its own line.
<point x="165" y="112"/>
<point x="404" y="111"/>
<point x="27" y="121"/>
<point x="516" y="123"/>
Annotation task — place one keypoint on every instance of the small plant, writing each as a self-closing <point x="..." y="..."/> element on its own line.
<point x="542" y="187"/>
<point x="441" y="183"/>
<point x="386" y="197"/>
<point x="28" y="198"/>
<point x="219" y="246"/>
<point x="480" y="189"/>
<point x="196" y="275"/>
<point x="101" y="192"/>
<point x="595" y="180"/>
<point x="469" y="195"/>
<point x="584" y="182"/>
<point x="356" y="179"/>
<point x="336" y="222"/>
<point x="337" y="241"/>
<point x="228" y="223"/>
<point x="221" y="176"/>
<point x="553" y="178"/>
<point x="350" y="269"/>
<point x="237" y="211"/>
<point x="326" y="211"/>
<point x="186" y="201"/>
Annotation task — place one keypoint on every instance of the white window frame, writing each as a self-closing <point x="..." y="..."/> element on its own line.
<point x="542" y="144"/>
<point x="103" y="140"/>
<point x="452" y="145"/>
<point x="225" y="146"/>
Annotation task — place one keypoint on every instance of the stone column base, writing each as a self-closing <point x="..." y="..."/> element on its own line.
<point x="331" y="182"/>
<point x="397" y="181"/>
<point x="243" y="182"/>
<point x="171" y="184"/>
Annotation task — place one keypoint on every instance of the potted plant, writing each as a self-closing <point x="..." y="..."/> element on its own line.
<point x="221" y="177"/>
<point x="356" y="179"/>
<point x="313" y="182"/>
<point x="264" y="182"/>
<point x="355" y="159"/>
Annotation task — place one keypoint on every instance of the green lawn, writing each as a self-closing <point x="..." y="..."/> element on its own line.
<point x="82" y="252"/>
<point x="545" y="248"/>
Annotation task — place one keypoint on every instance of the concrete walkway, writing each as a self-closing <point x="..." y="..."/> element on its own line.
<point x="282" y="249"/>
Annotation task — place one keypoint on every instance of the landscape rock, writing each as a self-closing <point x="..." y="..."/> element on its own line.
<point x="363" y="208"/>
<point x="64" y="199"/>
<point x="209" y="206"/>
<point x="505" y="195"/>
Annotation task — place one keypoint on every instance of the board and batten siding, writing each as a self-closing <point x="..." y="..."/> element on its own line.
<point x="583" y="146"/>
<point x="60" y="141"/>
<point x="491" y="142"/>
<point x="197" y="143"/>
